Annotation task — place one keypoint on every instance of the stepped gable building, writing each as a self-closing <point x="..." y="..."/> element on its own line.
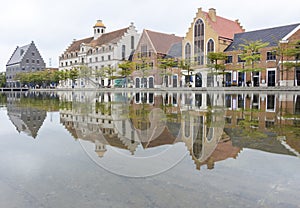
<point x="273" y="73"/>
<point x="24" y="59"/>
<point x="207" y="33"/>
<point x="152" y="47"/>
<point x="97" y="53"/>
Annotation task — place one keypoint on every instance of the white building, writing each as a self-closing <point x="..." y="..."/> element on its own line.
<point x="96" y="55"/>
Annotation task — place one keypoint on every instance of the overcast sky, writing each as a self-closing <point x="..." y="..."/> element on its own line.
<point x="53" y="24"/>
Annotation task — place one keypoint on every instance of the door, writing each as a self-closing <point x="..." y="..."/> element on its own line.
<point x="198" y="80"/>
<point x="271" y="78"/>
<point x="241" y="79"/>
<point x="255" y="79"/>
<point x="298" y="76"/>
<point x="174" y="80"/>
<point x="151" y="82"/>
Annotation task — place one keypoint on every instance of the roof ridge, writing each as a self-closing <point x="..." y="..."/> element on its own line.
<point x="270" y="28"/>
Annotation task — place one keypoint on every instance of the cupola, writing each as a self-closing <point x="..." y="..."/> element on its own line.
<point x="99" y="29"/>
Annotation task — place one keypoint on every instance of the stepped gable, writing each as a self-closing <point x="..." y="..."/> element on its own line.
<point x="75" y="46"/>
<point x="224" y="27"/>
<point x="269" y="35"/>
<point x="17" y="55"/>
<point x="162" y="42"/>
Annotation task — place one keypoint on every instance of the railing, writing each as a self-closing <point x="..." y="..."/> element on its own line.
<point x="13" y="89"/>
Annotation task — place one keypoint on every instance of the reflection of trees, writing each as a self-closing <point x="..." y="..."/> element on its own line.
<point x="3" y="99"/>
<point x="41" y="101"/>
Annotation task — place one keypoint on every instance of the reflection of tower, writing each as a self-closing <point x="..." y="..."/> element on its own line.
<point x="100" y="148"/>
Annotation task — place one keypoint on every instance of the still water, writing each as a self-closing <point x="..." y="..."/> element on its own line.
<point x="92" y="149"/>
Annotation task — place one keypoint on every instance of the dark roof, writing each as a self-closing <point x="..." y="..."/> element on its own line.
<point x="270" y="35"/>
<point x="18" y="54"/>
<point x="175" y="51"/>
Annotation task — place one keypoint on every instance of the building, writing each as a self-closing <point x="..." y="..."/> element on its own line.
<point x="152" y="47"/>
<point x="207" y="33"/>
<point x="273" y="72"/>
<point x="24" y="59"/>
<point x="99" y="55"/>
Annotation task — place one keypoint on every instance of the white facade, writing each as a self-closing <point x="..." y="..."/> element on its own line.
<point x="103" y="50"/>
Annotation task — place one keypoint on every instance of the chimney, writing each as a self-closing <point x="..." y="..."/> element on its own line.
<point x="212" y="14"/>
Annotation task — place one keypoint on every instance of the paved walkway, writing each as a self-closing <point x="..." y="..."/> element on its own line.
<point x="284" y="89"/>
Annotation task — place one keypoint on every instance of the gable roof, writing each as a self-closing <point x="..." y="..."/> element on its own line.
<point x="75" y="46"/>
<point x="175" y="50"/>
<point x="224" y="27"/>
<point x="270" y="35"/>
<point x="111" y="37"/>
<point x="162" y="42"/>
<point x="18" y="54"/>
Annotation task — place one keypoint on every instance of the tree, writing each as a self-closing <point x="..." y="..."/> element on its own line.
<point x="85" y="72"/>
<point x="216" y="60"/>
<point x="127" y="68"/>
<point x="2" y="79"/>
<point x="186" y="64"/>
<point x="292" y="54"/>
<point x="100" y="75"/>
<point x="251" y="55"/>
<point x="165" y="64"/>
<point x="109" y="72"/>
<point x="73" y="75"/>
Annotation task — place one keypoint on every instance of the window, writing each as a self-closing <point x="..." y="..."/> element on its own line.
<point x="199" y="42"/>
<point x="123" y="52"/>
<point x="240" y="60"/>
<point x="102" y="58"/>
<point x="33" y="61"/>
<point x="91" y="60"/>
<point x="27" y="61"/>
<point x="271" y="55"/>
<point x="109" y="57"/>
<point x="188" y="52"/>
<point x="210" y="46"/>
<point x="228" y="60"/>
<point x="132" y="42"/>
<point x="32" y="54"/>
<point x="37" y="61"/>
<point x="109" y="48"/>
<point x="144" y="50"/>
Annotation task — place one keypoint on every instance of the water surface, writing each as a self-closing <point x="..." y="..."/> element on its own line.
<point x="88" y="149"/>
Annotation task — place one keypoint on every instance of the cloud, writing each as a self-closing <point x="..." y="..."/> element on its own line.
<point x="52" y="25"/>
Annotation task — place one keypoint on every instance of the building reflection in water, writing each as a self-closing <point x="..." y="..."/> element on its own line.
<point x="27" y="110"/>
<point x="213" y="127"/>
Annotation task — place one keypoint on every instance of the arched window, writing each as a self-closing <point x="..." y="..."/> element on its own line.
<point x="199" y="42"/>
<point x="210" y="46"/>
<point x="188" y="51"/>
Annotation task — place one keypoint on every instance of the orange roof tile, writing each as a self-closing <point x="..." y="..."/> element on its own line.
<point x="224" y="27"/>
